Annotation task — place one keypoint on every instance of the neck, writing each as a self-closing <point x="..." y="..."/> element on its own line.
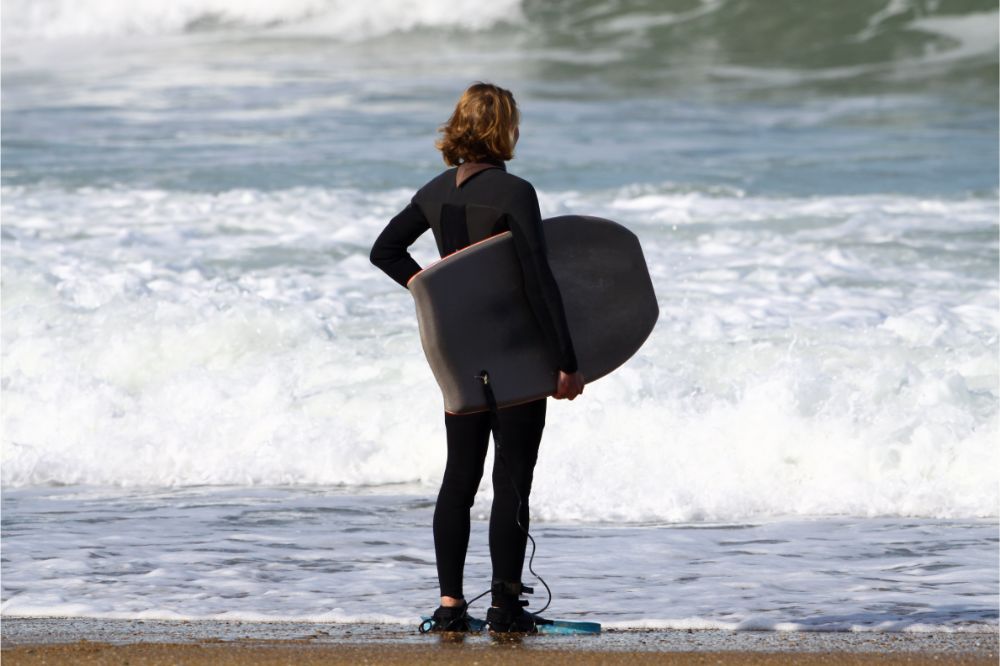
<point x="467" y="170"/>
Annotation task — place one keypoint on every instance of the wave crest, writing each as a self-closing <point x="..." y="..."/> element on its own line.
<point x="341" y="19"/>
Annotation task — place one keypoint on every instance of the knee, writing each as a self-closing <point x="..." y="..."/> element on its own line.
<point x="458" y="493"/>
<point x="505" y="482"/>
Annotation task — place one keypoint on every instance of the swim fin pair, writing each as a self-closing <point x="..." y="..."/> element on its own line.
<point x="505" y="616"/>
<point x="545" y="627"/>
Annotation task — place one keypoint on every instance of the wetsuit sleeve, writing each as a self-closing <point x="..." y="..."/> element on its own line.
<point x="539" y="283"/>
<point x="390" y="251"/>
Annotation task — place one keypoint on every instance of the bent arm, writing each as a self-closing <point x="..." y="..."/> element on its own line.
<point x="539" y="283"/>
<point x="390" y="251"/>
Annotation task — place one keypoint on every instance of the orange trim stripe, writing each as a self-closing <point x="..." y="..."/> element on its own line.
<point x="449" y="256"/>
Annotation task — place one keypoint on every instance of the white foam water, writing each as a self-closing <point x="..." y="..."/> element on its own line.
<point x="814" y="356"/>
<point x="51" y="19"/>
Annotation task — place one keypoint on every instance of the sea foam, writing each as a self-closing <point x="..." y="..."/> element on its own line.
<point x="342" y="19"/>
<point x="821" y="355"/>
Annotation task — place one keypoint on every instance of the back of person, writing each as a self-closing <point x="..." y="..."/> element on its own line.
<point x="462" y="211"/>
<point x="475" y="200"/>
<point x="463" y="205"/>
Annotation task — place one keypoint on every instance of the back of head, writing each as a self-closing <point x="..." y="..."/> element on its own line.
<point x="483" y="126"/>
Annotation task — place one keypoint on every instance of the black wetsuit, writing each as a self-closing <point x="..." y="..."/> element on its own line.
<point x="462" y="206"/>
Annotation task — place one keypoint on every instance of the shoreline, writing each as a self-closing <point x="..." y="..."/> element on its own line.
<point x="102" y="641"/>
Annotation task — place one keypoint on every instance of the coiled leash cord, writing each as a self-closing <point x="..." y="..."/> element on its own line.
<point x="491" y="400"/>
<point x="484" y="377"/>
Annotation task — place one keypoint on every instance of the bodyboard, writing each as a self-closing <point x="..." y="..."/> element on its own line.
<point x="473" y="313"/>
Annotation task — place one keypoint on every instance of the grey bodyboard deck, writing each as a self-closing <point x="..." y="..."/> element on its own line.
<point x="473" y="313"/>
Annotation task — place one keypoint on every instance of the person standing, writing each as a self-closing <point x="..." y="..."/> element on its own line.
<point x="475" y="198"/>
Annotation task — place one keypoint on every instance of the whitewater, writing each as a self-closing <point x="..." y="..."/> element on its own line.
<point x="212" y="400"/>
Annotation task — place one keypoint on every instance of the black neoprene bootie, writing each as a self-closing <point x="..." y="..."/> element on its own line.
<point x="450" y="618"/>
<point x="507" y="615"/>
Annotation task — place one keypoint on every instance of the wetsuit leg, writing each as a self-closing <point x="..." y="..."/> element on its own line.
<point x="468" y="439"/>
<point x="521" y="428"/>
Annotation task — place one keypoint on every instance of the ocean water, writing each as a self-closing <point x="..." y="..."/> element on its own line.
<point x="215" y="406"/>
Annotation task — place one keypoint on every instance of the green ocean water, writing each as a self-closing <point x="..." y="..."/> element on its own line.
<point x="777" y="97"/>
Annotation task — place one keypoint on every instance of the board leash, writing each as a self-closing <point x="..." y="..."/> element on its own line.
<point x="491" y="401"/>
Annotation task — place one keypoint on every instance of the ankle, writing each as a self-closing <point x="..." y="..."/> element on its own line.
<point x="506" y="596"/>
<point x="452" y="602"/>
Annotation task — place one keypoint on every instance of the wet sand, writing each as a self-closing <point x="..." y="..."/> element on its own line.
<point x="277" y="653"/>
<point x="92" y="641"/>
